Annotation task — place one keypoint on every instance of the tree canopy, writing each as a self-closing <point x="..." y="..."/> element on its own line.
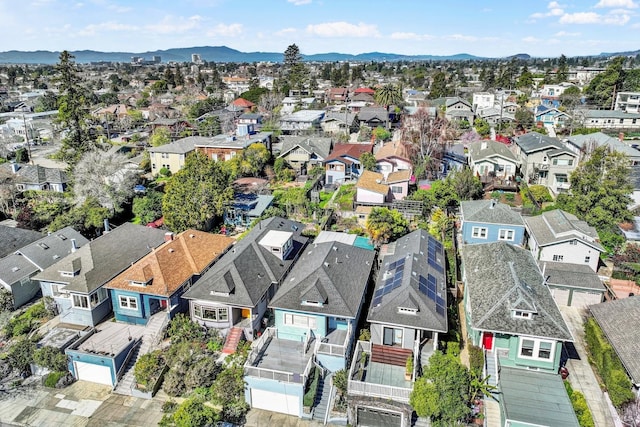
<point x="384" y="224"/>
<point x="196" y="194"/>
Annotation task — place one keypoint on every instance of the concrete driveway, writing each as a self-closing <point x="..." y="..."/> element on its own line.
<point x="581" y="375"/>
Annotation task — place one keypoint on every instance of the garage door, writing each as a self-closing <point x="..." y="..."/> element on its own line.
<point x="94" y="373"/>
<point x="561" y="296"/>
<point x="276" y="402"/>
<point x="583" y="299"/>
<point x="368" y="417"/>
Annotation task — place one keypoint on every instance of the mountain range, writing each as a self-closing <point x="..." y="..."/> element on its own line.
<point x="226" y="54"/>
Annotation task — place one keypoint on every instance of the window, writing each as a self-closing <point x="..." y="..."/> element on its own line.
<point x="536" y="349"/>
<point x="59" y="291"/>
<point x="396" y="189"/>
<point x="130" y="303"/>
<point x="574" y="242"/>
<point x="80" y="301"/>
<point x="522" y="314"/>
<point x="587" y="259"/>
<point x="505" y="234"/>
<point x="94" y="299"/>
<point x="217" y="314"/>
<point x="558" y="257"/>
<point x="300" y="321"/>
<point x="479" y="232"/>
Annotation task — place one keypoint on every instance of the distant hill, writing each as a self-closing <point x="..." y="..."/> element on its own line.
<point x="523" y="56"/>
<point x="212" y="53"/>
<point x="629" y="53"/>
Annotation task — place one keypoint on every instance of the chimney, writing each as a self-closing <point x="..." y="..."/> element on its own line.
<point x="168" y="236"/>
<point x="492" y="204"/>
<point x="107" y="227"/>
<point x="621" y="136"/>
<point x="74" y="246"/>
<point x="15" y="167"/>
<point x="483" y="145"/>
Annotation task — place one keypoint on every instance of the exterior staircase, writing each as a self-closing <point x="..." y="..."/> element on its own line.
<point x="150" y="339"/>
<point x="491" y="404"/>
<point x="390" y="355"/>
<point x="322" y="398"/>
<point x="233" y="339"/>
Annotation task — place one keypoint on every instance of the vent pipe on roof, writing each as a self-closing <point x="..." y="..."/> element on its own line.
<point x="107" y="227"/>
<point x="74" y="246"/>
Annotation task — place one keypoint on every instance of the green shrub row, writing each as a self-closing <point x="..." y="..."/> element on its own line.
<point x="609" y="366"/>
<point x="52" y="378"/>
<point x="580" y="407"/>
<point x="310" y="395"/>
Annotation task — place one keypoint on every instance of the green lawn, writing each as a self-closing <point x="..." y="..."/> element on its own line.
<point x="324" y="198"/>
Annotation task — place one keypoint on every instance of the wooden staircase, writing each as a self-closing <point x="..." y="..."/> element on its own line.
<point x="233" y="339"/>
<point x="390" y="355"/>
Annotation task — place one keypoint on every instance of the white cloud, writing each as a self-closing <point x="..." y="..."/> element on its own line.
<point x="594" y="18"/>
<point x="94" y="29"/>
<point x="626" y="4"/>
<point x="531" y="39"/>
<point x="224" y="30"/>
<point x="285" y="32"/>
<point x="299" y="2"/>
<point x="566" y="34"/>
<point x="461" y="37"/>
<point x="343" y="29"/>
<point x="553" y="9"/>
<point x="411" y="36"/>
<point x="175" y="25"/>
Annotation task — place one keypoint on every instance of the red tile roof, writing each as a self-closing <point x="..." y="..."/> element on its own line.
<point x="241" y="102"/>
<point x="349" y="150"/>
<point x="365" y="90"/>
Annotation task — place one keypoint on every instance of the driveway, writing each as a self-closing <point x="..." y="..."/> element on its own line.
<point x="581" y="375"/>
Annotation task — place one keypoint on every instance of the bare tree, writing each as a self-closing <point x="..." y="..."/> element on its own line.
<point x="630" y="414"/>
<point x="8" y="192"/>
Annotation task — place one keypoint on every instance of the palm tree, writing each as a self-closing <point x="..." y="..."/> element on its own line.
<point x="388" y="95"/>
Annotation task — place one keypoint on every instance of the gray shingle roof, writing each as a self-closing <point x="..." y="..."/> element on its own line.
<point x="103" y="258"/>
<point x="499" y="278"/>
<point x="414" y="250"/>
<point x="534" y="141"/>
<point x="313" y="145"/>
<point x="181" y="146"/>
<point x="619" y="322"/>
<point x="571" y="275"/>
<point x="48" y="250"/>
<point x="610" y="114"/>
<point x="332" y="273"/>
<point x="36" y="174"/>
<point x="12" y="239"/>
<point x="244" y="274"/>
<point x="559" y="226"/>
<point x="491" y="150"/>
<point x="600" y="139"/>
<point x="15" y="267"/>
<point x="490" y="212"/>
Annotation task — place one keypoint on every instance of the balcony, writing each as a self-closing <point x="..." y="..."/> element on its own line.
<point x="335" y="343"/>
<point x="374" y="379"/>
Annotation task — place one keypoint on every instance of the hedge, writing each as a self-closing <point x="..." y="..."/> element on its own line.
<point x="580" y="407"/>
<point x="310" y="395"/>
<point x="608" y="365"/>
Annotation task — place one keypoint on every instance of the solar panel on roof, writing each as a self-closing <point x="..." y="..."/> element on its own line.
<point x="376" y="301"/>
<point x="440" y="310"/>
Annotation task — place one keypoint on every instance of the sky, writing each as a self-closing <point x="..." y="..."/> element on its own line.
<point x="488" y="28"/>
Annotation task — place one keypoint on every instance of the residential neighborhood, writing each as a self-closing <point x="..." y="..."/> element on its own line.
<point x="371" y="243"/>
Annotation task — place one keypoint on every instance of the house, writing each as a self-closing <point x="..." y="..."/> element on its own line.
<point x="559" y="236"/>
<point x="157" y="281"/>
<point x="246" y="208"/>
<point x="370" y="189"/>
<point x="551" y="116"/>
<point x="482" y="100"/>
<point x="337" y="95"/>
<point x="393" y="156"/>
<point x="492" y="158"/>
<point x="226" y="147"/>
<point x="407" y="313"/>
<point x="587" y="143"/>
<point x="316" y="312"/>
<point x="628" y="102"/>
<point x="76" y="282"/>
<point x="373" y="117"/>
<point x="487" y="221"/>
<point x="611" y="120"/>
<point x="573" y="285"/>
<point x="250" y="119"/>
<point x="17" y="270"/>
<point x="458" y="109"/>
<point x="172" y="156"/>
<point x="545" y="161"/>
<point x="510" y="313"/>
<point x="304" y="152"/>
<point x="234" y="293"/>
<point x="338" y="122"/>
<point x="343" y="163"/>
<point x="36" y="177"/>
<point x="13" y="238"/>
<point x="301" y="121"/>
<point x="618" y="321"/>
<point x="496" y="115"/>
<point x="243" y="104"/>
<point x="550" y="93"/>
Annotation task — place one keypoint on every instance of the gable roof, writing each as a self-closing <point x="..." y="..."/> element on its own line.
<point x="46" y="251"/>
<point x="181" y="146"/>
<point x="333" y="274"/>
<point x="12" y="239"/>
<point x="318" y="145"/>
<point x="393" y="149"/>
<point x="600" y="139"/>
<point x="340" y="117"/>
<point x="571" y="275"/>
<point x="167" y="267"/>
<point x="412" y="276"/>
<point x="500" y="278"/>
<point x="619" y="322"/>
<point x="454" y="100"/>
<point x="354" y="151"/>
<point x="15" y="267"/>
<point x="243" y="103"/>
<point x="36" y="174"/>
<point x="103" y="258"/>
<point x="490" y="212"/>
<point x="489" y="150"/>
<point x="369" y="113"/>
<point x="244" y="274"/>
<point x="533" y="141"/>
<point x="372" y="181"/>
<point x="557" y="226"/>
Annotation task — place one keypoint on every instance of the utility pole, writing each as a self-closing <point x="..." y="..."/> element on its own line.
<point x="26" y="137"/>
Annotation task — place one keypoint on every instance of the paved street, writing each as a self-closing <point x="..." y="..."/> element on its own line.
<point x="581" y="375"/>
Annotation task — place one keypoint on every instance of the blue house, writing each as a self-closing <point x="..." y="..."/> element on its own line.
<point x="486" y="221"/>
<point x="316" y="314"/>
<point x="157" y="281"/>
<point x="76" y="282"/>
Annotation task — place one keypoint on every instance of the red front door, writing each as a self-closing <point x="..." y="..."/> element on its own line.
<point x="487" y="340"/>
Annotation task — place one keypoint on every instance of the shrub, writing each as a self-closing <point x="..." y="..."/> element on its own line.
<point x="51" y="358"/>
<point x="453" y="348"/>
<point x="148" y="368"/>
<point x="365" y="335"/>
<point x="182" y="329"/>
<point x="173" y="383"/>
<point x="476" y="359"/>
<point x="540" y="193"/>
<point x="580" y="407"/>
<point x="202" y="373"/>
<point x="51" y="380"/>
<point x="165" y="172"/>
<point x="310" y="395"/>
<point x="20" y="355"/>
<point x="340" y="380"/>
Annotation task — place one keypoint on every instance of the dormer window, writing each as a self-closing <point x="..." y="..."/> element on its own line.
<point x="406" y="310"/>
<point x="313" y="303"/>
<point x="522" y="314"/>
<point x="138" y="283"/>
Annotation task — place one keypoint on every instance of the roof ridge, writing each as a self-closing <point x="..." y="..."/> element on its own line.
<point x="188" y="254"/>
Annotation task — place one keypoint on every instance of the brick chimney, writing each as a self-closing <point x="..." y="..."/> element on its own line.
<point x="168" y="236"/>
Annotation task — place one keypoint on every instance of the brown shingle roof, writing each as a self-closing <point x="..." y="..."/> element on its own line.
<point x="172" y="263"/>
<point x="372" y="181"/>
<point x="392" y="149"/>
<point x="399" y="176"/>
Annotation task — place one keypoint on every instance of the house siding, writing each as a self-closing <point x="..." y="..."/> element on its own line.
<point x="290" y="389"/>
<point x="408" y="335"/>
<point x="138" y="316"/>
<point x="24" y="292"/>
<point x="572" y="254"/>
<point x="366" y="196"/>
<point x="296" y="333"/>
<point x="493" y="232"/>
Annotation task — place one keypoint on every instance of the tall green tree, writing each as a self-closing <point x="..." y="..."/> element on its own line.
<point x="439" y="86"/>
<point x="601" y="91"/>
<point x="368" y="161"/>
<point x="388" y="95"/>
<point x="148" y="207"/>
<point x="384" y="224"/>
<point x="525" y="81"/>
<point x="600" y="190"/>
<point x="73" y="110"/>
<point x="562" y="72"/>
<point x="295" y="69"/>
<point x="196" y="194"/>
<point x="467" y="185"/>
<point x="254" y="159"/>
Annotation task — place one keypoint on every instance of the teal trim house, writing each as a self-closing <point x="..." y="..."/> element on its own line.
<point x="316" y="314"/>
<point x="486" y="221"/>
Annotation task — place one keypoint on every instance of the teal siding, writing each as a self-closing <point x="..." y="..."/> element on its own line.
<point x="296" y="333"/>
<point x="492" y="232"/>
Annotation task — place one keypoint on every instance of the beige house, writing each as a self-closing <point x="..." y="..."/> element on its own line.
<point x="172" y="156"/>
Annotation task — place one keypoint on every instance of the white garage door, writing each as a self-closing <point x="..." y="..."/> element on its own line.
<point x="583" y="299"/>
<point x="94" y="373"/>
<point x="561" y="296"/>
<point x="275" y="402"/>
